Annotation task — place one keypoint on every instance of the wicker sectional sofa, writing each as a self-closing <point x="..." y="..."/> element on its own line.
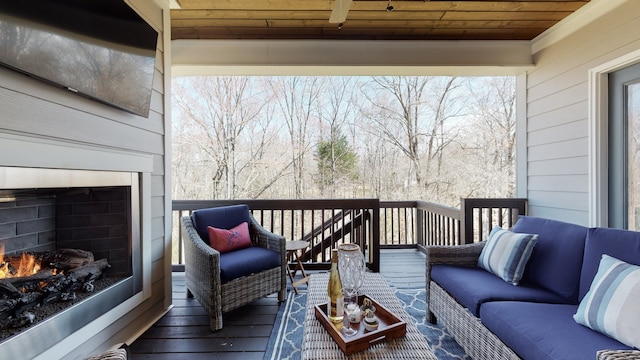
<point x="493" y="319"/>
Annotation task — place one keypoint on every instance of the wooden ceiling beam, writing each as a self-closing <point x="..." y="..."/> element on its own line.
<point x="415" y="5"/>
<point x="246" y="19"/>
<point x="369" y="15"/>
<point x="376" y="24"/>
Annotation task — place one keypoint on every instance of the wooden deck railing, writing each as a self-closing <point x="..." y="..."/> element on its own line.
<point x="324" y="223"/>
<point x="371" y="223"/>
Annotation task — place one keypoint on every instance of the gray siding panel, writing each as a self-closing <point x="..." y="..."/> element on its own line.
<point x="557" y="112"/>
<point x="41" y="113"/>
<point x="559" y="149"/>
<point x="569" y="113"/>
<point x="578" y="165"/>
<point x="561" y="132"/>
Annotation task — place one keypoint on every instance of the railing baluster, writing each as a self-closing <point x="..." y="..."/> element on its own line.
<point x="403" y="223"/>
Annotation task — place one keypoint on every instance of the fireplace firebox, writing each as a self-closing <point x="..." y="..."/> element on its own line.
<point x="98" y="212"/>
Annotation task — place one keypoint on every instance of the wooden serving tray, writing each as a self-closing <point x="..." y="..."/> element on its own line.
<point x="390" y="327"/>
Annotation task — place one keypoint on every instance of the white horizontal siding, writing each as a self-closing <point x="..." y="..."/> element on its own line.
<point x="561" y="132"/>
<point x="559" y="199"/>
<point x="557" y="112"/>
<point x="565" y="183"/>
<point x="557" y="99"/>
<point x="562" y="214"/>
<point x="558" y="150"/>
<point x="577" y="165"/>
<point x="559" y="116"/>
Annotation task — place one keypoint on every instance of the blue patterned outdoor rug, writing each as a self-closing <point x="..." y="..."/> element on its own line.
<point x="286" y="337"/>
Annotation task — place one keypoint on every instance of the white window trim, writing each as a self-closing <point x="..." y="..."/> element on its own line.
<point x="598" y="135"/>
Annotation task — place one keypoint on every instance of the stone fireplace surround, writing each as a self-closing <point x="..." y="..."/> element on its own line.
<point x="62" y="164"/>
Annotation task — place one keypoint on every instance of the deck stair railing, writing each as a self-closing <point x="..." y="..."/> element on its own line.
<point x="329" y="234"/>
<point x="327" y="225"/>
<point x="371" y="223"/>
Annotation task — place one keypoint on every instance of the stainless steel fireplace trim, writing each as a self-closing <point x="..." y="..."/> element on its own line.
<point x="47" y="334"/>
<point x="52" y="335"/>
<point x="33" y="178"/>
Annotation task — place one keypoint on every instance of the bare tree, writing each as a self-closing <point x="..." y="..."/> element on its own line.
<point x="297" y="99"/>
<point x="412" y="117"/>
<point x="426" y="138"/>
<point x="218" y="110"/>
<point x="484" y="149"/>
<point x="494" y="106"/>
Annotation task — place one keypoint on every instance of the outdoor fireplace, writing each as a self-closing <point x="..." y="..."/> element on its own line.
<point x="89" y="217"/>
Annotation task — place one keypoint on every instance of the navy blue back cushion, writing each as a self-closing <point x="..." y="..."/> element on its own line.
<point x="556" y="260"/>
<point x="621" y="244"/>
<point x="224" y="217"/>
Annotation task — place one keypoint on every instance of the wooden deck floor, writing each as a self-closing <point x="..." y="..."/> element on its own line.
<point x="183" y="333"/>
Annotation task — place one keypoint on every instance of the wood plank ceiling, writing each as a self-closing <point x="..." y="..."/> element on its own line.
<point x="368" y="19"/>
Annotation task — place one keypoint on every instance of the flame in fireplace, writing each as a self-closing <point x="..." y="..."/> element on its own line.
<point x="27" y="266"/>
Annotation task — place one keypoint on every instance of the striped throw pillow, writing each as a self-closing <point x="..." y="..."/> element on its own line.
<point x="612" y="305"/>
<point x="506" y="254"/>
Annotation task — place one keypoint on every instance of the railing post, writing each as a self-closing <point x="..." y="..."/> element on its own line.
<point x="420" y="227"/>
<point x="375" y="237"/>
<point x="486" y="208"/>
<point x="466" y="221"/>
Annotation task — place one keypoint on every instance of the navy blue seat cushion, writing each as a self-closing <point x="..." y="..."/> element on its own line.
<point x="621" y="244"/>
<point x="556" y="260"/>
<point x="238" y="263"/>
<point x="537" y="331"/>
<point x="224" y="217"/>
<point x="472" y="286"/>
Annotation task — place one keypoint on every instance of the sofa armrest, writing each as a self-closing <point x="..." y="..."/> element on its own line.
<point x="461" y="255"/>
<point x="618" y="354"/>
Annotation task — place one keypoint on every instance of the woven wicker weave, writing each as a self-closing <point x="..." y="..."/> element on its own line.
<point x="318" y="344"/>
<point x="618" y="354"/>
<point x="477" y="341"/>
<point x="118" y="354"/>
<point x="202" y="273"/>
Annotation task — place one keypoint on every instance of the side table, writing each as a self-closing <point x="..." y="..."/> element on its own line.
<point x="295" y="251"/>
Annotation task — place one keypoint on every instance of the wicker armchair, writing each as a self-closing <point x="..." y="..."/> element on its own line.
<point x="202" y="263"/>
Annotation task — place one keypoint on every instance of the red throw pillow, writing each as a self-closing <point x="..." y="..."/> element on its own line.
<point x="228" y="240"/>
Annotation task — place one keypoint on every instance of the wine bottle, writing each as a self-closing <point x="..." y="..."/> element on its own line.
<point x="334" y="290"/>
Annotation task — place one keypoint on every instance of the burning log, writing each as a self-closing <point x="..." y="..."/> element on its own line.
<point x="58" y="276"/>
<point x="29" y="263"/>
<point x="67" y="259"/>
<point x="90" y="271"/>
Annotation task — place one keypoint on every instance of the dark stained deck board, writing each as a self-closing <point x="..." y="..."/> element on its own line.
<point x="184" y="333"/>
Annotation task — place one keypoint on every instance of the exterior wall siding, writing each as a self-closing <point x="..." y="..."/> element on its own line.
<point x="37" y="113"/>
<point x="558" y="143"/>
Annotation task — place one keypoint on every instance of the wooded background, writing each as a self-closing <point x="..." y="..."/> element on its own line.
<point x="436" y="139"/>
